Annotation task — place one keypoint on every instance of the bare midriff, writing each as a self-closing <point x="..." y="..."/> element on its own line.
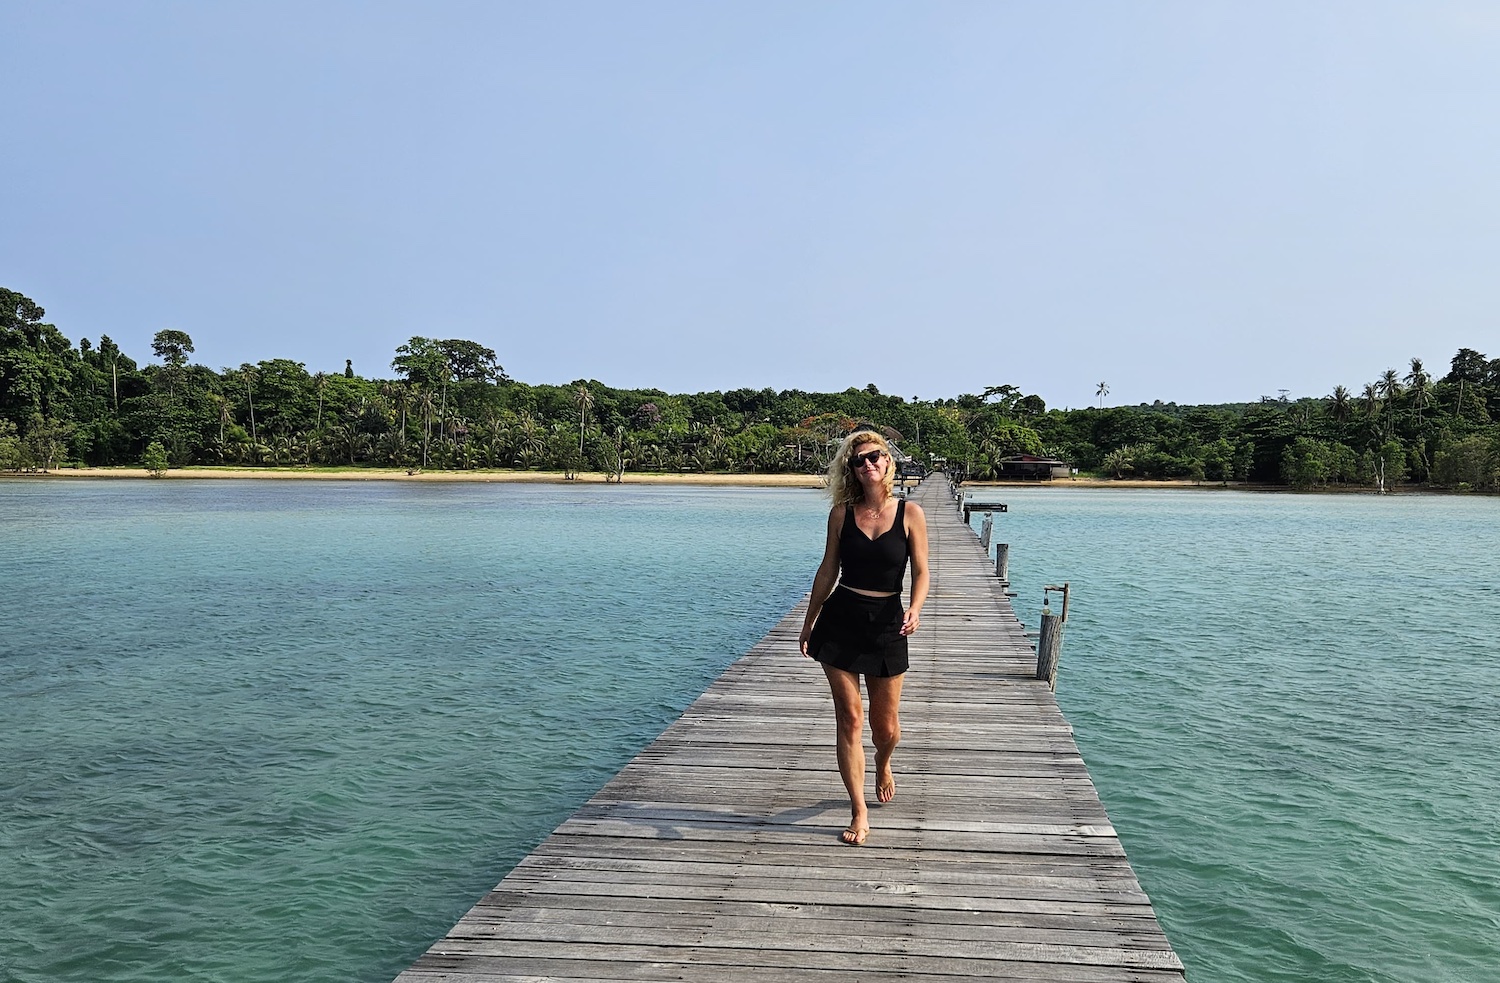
<point x="871" y="593"/>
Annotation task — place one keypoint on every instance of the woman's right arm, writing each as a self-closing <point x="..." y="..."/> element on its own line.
<point x="827" y="577"/>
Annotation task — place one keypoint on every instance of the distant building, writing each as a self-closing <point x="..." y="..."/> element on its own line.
<point x="1029" y="467"/>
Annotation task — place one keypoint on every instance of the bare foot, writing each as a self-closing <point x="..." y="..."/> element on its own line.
<point x="855" y="833"/>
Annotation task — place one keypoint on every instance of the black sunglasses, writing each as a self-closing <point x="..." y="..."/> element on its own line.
<point x="868" y="457"/>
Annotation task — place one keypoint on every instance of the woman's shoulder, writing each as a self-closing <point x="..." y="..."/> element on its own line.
<point x="914" y="511"/>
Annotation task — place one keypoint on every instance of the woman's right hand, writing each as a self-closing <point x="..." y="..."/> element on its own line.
<point x="802" y="642"/>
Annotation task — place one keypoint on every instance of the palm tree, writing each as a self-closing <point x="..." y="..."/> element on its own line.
<point x="226" y="417"/>
<point x="320" y="383"/>
<point x="1420" y="384"/>
<point x="1390" y="387"/>
<point x="428" y="406"/>
<point x="1340" y="405"/>
<point x="1101" y="392"/>
<point x="1119" y="460"/>
<point x="530" y="438"/>
<point x="250" y="375"/>
<point x="583" y="399"/>
<point x="347" y="438"/>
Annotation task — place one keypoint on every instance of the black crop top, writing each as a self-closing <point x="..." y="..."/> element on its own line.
<point x="873" y="564"/>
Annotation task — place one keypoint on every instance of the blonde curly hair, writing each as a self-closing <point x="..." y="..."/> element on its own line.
<point x="843" y="486"/>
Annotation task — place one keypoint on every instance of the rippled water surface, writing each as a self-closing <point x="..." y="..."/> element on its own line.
<point x="1291" y="707"/>
<point x="292" y="730"/>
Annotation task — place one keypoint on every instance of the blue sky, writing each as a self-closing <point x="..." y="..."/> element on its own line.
<point x="1193" y="201"/>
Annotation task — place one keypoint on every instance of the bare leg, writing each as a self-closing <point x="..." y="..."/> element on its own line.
<point x="885" y="729"/>
<point x="849" y="711"/>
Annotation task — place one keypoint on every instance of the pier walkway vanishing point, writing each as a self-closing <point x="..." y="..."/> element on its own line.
<point x="715" y="855"/>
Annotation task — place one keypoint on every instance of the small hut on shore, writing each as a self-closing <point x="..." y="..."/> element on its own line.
<point x="1030" y="467"/>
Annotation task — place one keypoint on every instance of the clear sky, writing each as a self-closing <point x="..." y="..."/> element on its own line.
<point x="1192" y="201"/>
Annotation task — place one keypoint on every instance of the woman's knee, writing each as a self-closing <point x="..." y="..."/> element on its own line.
<point x="851" y="718"/>
<point x="885" y="733"/>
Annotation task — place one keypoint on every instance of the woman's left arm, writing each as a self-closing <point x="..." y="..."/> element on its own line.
<point x="916" y="541"/>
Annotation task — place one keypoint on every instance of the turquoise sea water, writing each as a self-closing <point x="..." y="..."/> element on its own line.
<point x="291" y="731"/>
<point x="1291" y="707"/>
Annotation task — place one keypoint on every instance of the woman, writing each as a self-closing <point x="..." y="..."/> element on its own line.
<point x="855" y="625"/>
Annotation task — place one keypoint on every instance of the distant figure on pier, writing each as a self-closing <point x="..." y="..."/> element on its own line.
<point x="855" y="625"/>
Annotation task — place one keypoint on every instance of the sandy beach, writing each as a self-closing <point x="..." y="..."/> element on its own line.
<point x="588" y="478"/>
<point x="401" y="474"/>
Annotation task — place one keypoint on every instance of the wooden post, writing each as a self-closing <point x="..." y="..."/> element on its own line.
<point x="1002" y="562"/>
<point x="1049" y="640"/>
<point x="1049" y="648"/>
<point x="986" y="528"/>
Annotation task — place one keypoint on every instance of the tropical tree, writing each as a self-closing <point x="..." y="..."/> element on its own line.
<point x="248" y="375"/>
<point x="1340" y="404"/>
<point x="225" y="407"/>
<point x="1101" y="392"/>
<point x="1120" y="460"/>
<point x="173" y="348"/>
<point x="1389" y="388"/>
<point x="1419" y="384"/>
<point x="583" y="399"/>
<point x="320" y="386"/>
<point x="155" y="459"/>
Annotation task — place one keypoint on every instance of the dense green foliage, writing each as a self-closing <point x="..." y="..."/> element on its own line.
<point x="449" y="404"/>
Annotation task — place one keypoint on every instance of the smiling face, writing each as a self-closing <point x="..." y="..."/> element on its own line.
<point x="869" y="463"/>
<point x="862" y="470"/>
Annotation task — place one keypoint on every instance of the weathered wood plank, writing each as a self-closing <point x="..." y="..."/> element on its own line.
<point x="714" y="853"/>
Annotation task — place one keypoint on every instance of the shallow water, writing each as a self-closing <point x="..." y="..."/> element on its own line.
<point x="291" y="731"/>
<point x="1289" y="706"/>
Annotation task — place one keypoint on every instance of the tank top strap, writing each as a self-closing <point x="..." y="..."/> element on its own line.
<point x="901" y="515"/>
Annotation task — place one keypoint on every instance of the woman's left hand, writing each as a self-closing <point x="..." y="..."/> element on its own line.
<point x="911" y="622"/>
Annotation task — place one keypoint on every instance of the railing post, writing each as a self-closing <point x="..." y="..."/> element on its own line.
<point x="1002" y="562"/>
<point x="1049" y="649"/>
<point x="986" y="528"/>
<point x="1049" y="639"/>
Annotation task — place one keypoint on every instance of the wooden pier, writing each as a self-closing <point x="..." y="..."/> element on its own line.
<point x="714" y="854"/>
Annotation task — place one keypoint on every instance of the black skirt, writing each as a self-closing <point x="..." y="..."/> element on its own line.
<point x="860" y="634"/>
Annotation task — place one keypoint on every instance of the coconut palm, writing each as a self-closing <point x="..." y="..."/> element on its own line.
<point x="250" y="374"/>
<point x="583" y="399"/>
<point x="1389" y="386"/>
<point x="530" y="438"/>
<point x="1419" y="384"/>
<point x="225" y="406"/>
<point x="1340" y="405"/>
<point x="1101" y="392"/>
<point x="320" y="385"/>
<point x="428" y="405"/>
<point x="348" y="440"/>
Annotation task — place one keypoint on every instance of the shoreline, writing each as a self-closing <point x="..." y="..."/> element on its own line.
<point x="814" y="481"/>
<point x="402" y="474"/>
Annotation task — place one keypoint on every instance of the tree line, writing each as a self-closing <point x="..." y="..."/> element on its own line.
<point x="448" y="404"/>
